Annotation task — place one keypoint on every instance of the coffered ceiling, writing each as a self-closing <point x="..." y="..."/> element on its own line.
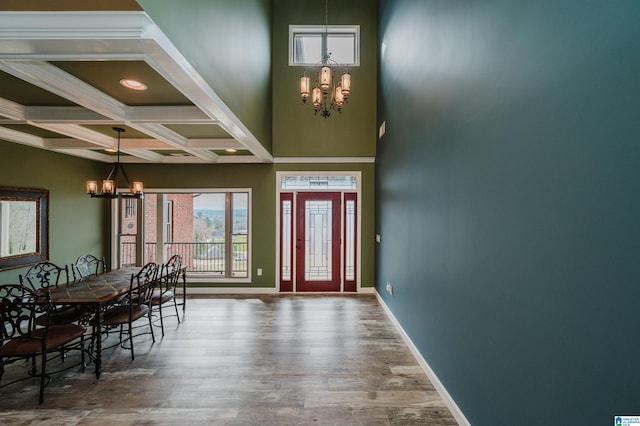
<point x="60" y="90"/>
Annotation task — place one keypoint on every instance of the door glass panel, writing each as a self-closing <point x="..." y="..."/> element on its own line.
<point x="318" y="240"/>
<point x="286" y="240"/>
<point x="350" y="243"/>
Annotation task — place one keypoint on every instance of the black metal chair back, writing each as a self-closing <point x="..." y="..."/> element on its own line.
<point x="87" y="265"/>
<point x="171" y="272"/>
<point x="17" y="311"/>
<point x="44" y="275"/>
<point x="143" y="283"/>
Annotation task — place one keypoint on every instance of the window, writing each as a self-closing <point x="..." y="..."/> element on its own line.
<point x="309" y="182"/>
<point x="308" y="42"/>
<point x="130" y="207"/>
<point x="210" y="230"/>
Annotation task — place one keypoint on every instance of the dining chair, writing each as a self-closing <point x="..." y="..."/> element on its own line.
<point x="42" y="276"/>
<point x="165" y="292"/>
<point x="23" y="339"/>
<point x="136" y="305"/>
<point x="87" y="265"/>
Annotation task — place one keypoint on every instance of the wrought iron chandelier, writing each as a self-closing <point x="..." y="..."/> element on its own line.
<point x="327" y="95"/>
<point x="110" y="184"/>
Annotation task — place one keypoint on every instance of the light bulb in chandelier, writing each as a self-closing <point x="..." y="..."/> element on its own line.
<point x="305" y="85"/>
<point x="345" y="83"/>
<point x="316" y="98"/>
<point x="325" y="78"/>
<point x="338" y="97"/>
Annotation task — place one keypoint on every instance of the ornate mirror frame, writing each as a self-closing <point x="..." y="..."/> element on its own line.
<point x="24" y="227"/>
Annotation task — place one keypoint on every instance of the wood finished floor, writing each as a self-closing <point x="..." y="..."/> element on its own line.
<point x="267" y="360"/>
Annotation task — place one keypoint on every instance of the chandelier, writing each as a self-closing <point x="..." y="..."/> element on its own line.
<point x="110" y="184"/>
<point x="327" y="94"/>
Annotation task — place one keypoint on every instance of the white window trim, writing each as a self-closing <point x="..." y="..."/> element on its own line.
<point x="320" y="29"/>
<point x="115" y="248"/>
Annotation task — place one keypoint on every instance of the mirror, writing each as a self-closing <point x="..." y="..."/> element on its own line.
<point x="24" y="227"/>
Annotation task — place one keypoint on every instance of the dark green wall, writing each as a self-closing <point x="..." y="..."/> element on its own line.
<point x="76" y="222"/>
<point x="229" y="43"/>
<point x="507" y="200"/>
<point x="297" y="132"/>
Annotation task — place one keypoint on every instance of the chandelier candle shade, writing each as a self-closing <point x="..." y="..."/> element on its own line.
<point x="110" y="184"/>
<point x="327" y="95"/>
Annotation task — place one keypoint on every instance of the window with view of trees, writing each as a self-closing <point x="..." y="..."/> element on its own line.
<point x="210" y="230"/>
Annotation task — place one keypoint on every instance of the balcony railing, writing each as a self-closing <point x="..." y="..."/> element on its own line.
<point x="199" y="258"/>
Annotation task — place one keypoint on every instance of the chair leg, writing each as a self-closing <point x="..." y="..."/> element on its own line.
<point x="153" y="336"/>
<point x="43" y="372"/>
<point x="33" y="369"/>
<point x="83" y="363"/>
<point x="161" y="320"/>
<point x="131" y="340"/>
<point x="175" y="305"/>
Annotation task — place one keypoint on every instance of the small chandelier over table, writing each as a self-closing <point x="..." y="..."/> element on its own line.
<point x="327" y="95"/>
<point x="110" y="184"/>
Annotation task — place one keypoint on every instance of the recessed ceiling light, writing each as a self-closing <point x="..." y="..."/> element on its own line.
<point x="231" y="150"/>
<point x="133" y="84"/>
<point x="110" y="150"/>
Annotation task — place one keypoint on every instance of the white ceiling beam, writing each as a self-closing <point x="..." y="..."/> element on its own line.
<point x="183" y="114"/>
<point x="11" y="135"/>
<point x="11" y="110"/>
<point x="65" y="114"/>
<point x="144" y="154"/>
<point x="238" y="159"/>
<point x="79" y="132"/>
<point x="63" y="84"/>
<point x="172" y="138"/>
<point x="143" y="114"/>
<point x="214" y="143"/>
<point x="80" y="25"/>
<point x="67" y="144"/>
<point x="88" y="154"/>
<point x="136" y="143"/>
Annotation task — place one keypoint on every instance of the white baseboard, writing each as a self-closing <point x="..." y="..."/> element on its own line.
<point x="442" y="391"/>
<point x="259" y="290"/>
<point x="227" y="290"/>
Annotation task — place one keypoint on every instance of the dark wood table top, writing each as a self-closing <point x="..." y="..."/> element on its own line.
<point x="96" y="289"/>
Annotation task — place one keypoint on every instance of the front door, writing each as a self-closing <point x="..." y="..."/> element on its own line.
<point x="317" y="241"/>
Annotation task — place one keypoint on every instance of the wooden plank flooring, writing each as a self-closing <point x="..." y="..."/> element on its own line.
<point x="265" y="360"/>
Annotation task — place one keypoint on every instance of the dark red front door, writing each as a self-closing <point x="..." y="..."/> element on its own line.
<point x="317" y="243"/>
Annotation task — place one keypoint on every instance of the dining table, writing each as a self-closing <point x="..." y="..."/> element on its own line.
<point x="96" y="292"/>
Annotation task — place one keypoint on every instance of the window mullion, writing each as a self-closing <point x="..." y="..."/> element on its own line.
<point x="228" y="235"/>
